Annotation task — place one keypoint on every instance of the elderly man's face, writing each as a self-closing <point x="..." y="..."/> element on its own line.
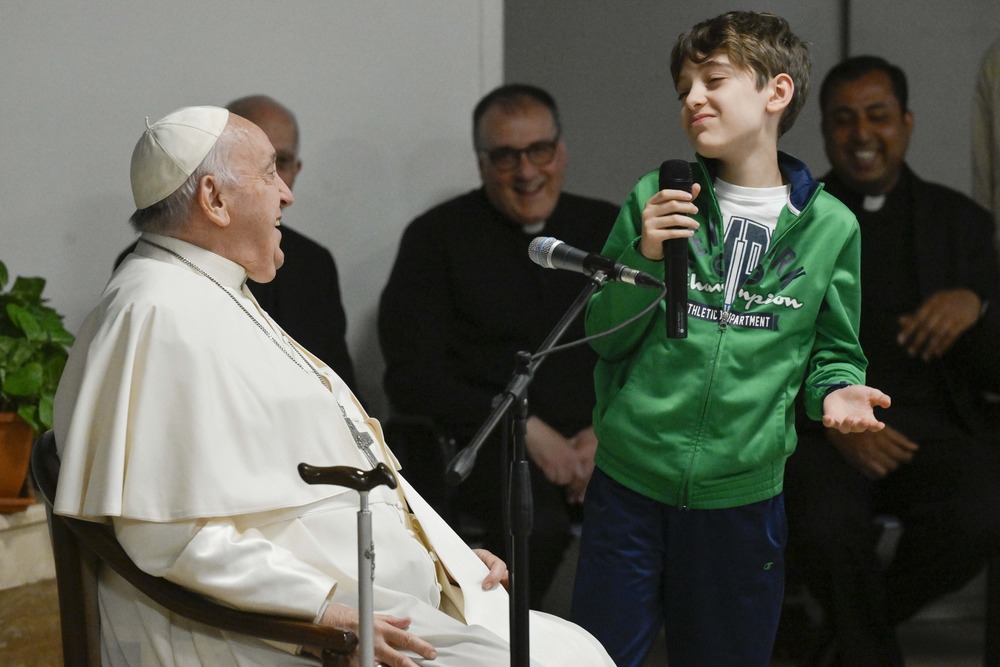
<point x="866" y="133"/>
<point x="526" y="193"/>
<point x="255" y="204"/>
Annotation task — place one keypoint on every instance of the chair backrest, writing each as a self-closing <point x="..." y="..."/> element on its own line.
<point x="76" y="568"/>
<point x="81" y="548"/>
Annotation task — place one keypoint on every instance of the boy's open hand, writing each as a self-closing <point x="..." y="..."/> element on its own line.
<point x="666" y="216"/>
<point x="850" y="409"/>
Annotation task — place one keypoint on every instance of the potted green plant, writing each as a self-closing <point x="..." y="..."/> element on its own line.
<point x="33" y="350"/>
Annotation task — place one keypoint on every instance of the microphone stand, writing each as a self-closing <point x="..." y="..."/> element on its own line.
<point x="513" y="403"/>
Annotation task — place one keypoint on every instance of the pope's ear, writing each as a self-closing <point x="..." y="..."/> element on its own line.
<point x="212" y="201"/>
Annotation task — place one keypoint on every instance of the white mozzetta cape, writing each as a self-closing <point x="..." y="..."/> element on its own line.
<point x="171" y="382"/>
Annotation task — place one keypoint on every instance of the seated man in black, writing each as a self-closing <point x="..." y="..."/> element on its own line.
<point x="929" y="326"/>
<point x="464" y="297"/>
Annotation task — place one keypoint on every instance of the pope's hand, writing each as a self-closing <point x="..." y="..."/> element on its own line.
<point x="391" y="636"/>
<point x="498" y="569"/>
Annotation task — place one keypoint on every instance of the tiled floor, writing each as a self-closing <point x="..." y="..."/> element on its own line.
<point x="29" y="626"/>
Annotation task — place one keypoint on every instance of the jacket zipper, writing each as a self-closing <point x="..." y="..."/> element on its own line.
<point x="724" y="317"/>
<point x="686" y="486"/>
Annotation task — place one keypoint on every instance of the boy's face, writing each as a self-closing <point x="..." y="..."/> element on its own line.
<point x="866" y="133"/>
<point x="723" y="112"/>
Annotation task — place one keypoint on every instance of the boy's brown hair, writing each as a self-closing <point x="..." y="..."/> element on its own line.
<point x="762" y="43"/>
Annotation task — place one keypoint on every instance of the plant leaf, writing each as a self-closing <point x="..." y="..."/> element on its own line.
<point x="29" y="413"/>
<point x="45" y="412"/>
<point x="26" y="381"/>
<point x="7" y="347"/>
<point x="26" y="322"/>
<point x="28" y="290"/>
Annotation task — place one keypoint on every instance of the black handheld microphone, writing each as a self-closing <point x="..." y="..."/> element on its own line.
<point x="676" y="175"/>
<point x="554" y="254"/>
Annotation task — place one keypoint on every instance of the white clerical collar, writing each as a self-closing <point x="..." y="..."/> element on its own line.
<point x="872" y="203"/>
<point x="227" y="272"/>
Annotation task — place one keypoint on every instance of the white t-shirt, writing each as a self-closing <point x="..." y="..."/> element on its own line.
<point x="749" y="216"/>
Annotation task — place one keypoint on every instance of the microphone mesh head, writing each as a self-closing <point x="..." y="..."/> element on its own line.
<point x="540" y="250"/>
<point x="676" y="175"/>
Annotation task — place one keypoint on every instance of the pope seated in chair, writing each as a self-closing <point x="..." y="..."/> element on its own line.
<point x="182" y="416"/>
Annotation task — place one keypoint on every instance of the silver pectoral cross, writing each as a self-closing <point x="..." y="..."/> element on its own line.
<point x="363" y="441"/>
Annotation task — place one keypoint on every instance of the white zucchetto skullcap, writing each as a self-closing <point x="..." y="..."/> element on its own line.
<point x="171" y="149"/>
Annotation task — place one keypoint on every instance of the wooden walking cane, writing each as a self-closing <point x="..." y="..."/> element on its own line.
<point x="362" y="482"/>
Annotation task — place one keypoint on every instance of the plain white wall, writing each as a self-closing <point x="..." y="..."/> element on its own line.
<point x="383" y="90"/>
<point x="608" y="66"/>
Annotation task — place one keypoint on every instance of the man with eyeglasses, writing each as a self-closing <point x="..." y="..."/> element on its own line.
<point x="464" y="297"/>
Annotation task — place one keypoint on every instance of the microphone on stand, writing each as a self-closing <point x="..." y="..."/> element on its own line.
<point x="676" y="175"/>
<point x="554" y="254"/>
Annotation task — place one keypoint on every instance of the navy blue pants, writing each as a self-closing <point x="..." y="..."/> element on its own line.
<point x="714" y="579"/>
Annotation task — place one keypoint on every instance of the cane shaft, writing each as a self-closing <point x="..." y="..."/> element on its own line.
<point x="366" y="577"/>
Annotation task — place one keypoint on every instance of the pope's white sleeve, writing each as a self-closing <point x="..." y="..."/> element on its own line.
<point x="242" y="569"/>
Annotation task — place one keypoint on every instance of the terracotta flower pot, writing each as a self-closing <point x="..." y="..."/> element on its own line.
<point x="15" y="452"/>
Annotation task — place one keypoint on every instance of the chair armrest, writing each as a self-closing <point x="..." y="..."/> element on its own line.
<point x="73" y="538"/>
<point x="99" y="539"/>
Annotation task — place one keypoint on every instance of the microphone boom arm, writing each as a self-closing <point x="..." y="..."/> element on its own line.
<point x="461" y="465"/>
<point x="513" y="402"/>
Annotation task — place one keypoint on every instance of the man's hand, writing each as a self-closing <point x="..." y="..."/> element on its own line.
<point x="663" y="212"/>
<point x="498" y="569"/>
<point x="553" y="453"/>
<point x="585" y="444"/>
<point x="390" y="635"/>
<point x="874" y="454"/>
<point x="932" y="329"/>
<point x="850" y="409"/>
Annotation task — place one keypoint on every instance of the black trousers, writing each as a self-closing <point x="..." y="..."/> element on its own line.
<point x="948" y="499"/>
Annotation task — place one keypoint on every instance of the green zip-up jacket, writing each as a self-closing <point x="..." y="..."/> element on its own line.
<point x="707" y="421"/>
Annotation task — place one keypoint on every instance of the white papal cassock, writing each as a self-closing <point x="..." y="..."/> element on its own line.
<point x="182" y="416"/>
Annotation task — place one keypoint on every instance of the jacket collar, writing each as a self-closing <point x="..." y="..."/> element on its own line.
<point x="804" y="186"/>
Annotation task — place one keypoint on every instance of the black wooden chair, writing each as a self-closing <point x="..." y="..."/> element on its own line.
<point x="81" y="548"/>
